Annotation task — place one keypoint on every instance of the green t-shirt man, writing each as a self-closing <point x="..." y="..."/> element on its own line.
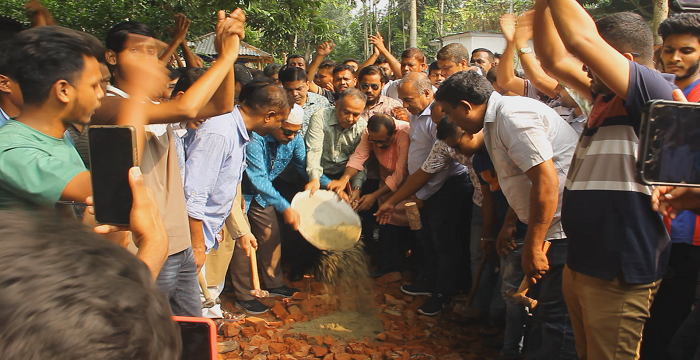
<point x="34" y="167"/>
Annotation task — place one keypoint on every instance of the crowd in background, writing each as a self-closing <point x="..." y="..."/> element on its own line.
<point x="522" y="166"/>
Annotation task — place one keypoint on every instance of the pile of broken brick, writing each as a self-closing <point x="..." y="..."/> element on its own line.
<point x="406" y="334"/>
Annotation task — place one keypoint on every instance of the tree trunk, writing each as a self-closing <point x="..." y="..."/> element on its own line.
<point x="660" y="14"/>
<point x="413" y="27"/>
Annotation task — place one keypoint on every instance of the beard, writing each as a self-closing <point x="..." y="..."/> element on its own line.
<point x="692" y="70"/>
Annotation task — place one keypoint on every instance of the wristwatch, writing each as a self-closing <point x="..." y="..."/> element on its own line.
<point x="488" y="239"/>
<point x="525" y="50"/>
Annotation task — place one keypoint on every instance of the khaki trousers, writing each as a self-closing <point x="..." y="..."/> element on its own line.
<point x="607" y="316"/>
<point x="264" y="226"/>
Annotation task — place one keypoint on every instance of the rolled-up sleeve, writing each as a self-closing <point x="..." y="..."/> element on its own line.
<point x="437" y="159"/>
<point x="206" y="153"/>
<point x="361" y="154"/>
<point x="259" y="176"/>
<point x="314" y="146"/>
<point x="397" y="178"/>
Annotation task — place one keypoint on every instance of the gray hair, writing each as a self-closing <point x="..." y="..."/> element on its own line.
<point x="421" y="82"/>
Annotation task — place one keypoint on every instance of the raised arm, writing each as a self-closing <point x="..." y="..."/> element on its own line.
<point x="213" y="93"/>
<point x="182" y="24"/>
<point x="370" y="60"/>
<point x="580" y="35"/>
<point x="533" y="69"/>
<point x="505" y="75"/>
<point x="322" y="50"/>
<point x="554" y="57"/>
<point x="378" y="42"/>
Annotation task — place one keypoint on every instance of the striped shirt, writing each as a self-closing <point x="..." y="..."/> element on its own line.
<point x="606" y="213"/>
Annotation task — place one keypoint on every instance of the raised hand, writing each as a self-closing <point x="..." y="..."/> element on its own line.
<point x="324" y="49"/>
<point x="508" y="26"/>
<point x="523" y="32"/>
<point x="378" y="42"/>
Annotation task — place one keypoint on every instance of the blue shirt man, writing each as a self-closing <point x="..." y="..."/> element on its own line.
<point x="215" y="162"/>
<point x="266" y="159"/>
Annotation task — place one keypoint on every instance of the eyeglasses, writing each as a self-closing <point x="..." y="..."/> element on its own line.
<point x="286" y="132"/>
<point x="366" y="86"/>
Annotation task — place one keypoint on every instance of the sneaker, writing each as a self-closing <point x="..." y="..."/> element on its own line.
<point x="252" y="306"/>
<point x="415" y="290"/>
<point x="434" y="305"/>
<point x="283" y="291"/>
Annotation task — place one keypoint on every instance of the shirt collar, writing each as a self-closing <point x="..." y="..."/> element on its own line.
<point x="115" y="91"/>
<point x="240" y="124"/>
<point x="4" y="115"/>
<point x="493" y="102"/>
<point x="333" y="120"/>
<point x="427" y="111"/>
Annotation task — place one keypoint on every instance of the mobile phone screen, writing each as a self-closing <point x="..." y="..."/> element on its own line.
<point x="111" y="157"/>
<point x="673" y="150"/>
<point x="196" y="340"/>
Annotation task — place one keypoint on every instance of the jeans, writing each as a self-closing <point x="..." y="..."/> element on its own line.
<point x="551" y="336"/>
<point x="445" y="234"/>
<point x="178" y="280"/>
<point x="516" y="314"/>
<point x="488" y="299"/>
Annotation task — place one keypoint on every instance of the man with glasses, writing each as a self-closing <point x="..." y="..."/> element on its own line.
<point x="389" y="140"/>
<point x="266" y="157"/>
<point x="372" y="80"/>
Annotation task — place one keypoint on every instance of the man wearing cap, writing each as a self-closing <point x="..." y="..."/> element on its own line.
<point x="266" y="157"/>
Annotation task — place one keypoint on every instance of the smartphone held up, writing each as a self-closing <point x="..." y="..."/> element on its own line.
<point x="112" y="151"/>
<point x="669" y="152"/>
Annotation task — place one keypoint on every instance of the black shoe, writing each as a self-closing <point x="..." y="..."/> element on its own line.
<point x="252" y="306"/>
<point x="415" y="290"/>
<point x="434" y="305"/>
<point x="284" y="291"/>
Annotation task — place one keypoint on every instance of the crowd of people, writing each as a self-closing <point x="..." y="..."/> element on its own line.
<point x="521" y="176"/>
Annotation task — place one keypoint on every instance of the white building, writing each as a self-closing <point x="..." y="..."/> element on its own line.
<point x="473" y="40"/>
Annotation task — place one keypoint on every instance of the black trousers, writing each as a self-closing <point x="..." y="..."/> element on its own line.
<point x="673" y="301"/>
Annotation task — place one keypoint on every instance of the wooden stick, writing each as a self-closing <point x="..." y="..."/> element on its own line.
<point x="475" y="286"/>
<point x="520" y="295"/>
<point x="256" y="277"/>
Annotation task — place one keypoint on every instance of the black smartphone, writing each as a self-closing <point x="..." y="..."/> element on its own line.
<point x="669" y="151"/>
<point x="112" y="152"/>
<point x="198" y="338"/>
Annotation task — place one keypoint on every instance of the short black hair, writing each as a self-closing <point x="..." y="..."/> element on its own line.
<point x="414" y="53"/>
<point x="373" y="70"/>
<point x="70" y="294"/>
<point x="497" y="55"/>
<point x="264" y="95"/>
<point x="433" y="66"/>
<point x="492" y="74"/>
<point x="464" y="85"/>
<point x="377" y="121"/>
<point x="342" y="67"/>
<point x="292" y="73"/>
<point x="491" y="57"/>
<point x="187" y="78"/>
<point x="294" y="56"/>
<point x="446" y="129"/>
<point x="37" y="58"/>
<point x="628" y="33"/>
<point x="381" y="59"/>
<point x="350" y="60"/>
<point x="117" y="35"/>
<point x="257" y="74"/>
<point x="684" y="23"/>
<point x="454" y="52"/>
<point x="272" y="69"/>
<point x="326" y="64"/>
